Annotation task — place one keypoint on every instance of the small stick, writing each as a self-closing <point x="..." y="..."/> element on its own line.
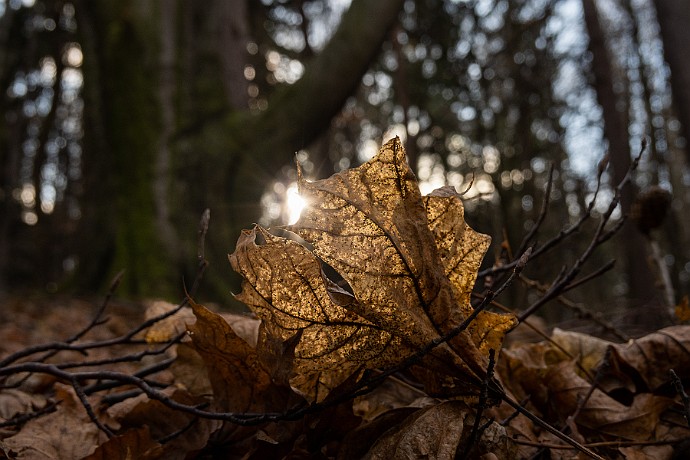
<point x="678" y="385"/>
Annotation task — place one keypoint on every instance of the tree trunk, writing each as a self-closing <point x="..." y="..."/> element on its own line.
<point x="640" y="280"/>
<point x="129" y="92"/>
<point x="121" y="142"/>
<point x="674" y="20"/>
<point x="167" y="89"/>
<point x="232" y="49"/>
<point x="298" y="113"/>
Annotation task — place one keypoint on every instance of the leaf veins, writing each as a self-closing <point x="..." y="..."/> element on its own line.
<point x="411" y="263"/>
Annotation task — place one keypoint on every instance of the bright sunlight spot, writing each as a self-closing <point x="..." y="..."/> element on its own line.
<point x="295" y="204"/>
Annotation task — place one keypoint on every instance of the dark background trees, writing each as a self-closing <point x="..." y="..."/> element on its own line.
<point x="124" y="120"/>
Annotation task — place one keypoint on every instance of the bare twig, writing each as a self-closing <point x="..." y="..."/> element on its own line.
<point x="87" y="406"/>
<point x="20" y="419"/>
<point x="540" y="250"/>
<point x="201" y="257"/>
<point x="601" y="235"/>
<point x="527" y="240"/>
<point x="550" y="429"/>
<point x="483" y="402"/>
<point x="582" y="313"/>
<point x="678" y="385"/>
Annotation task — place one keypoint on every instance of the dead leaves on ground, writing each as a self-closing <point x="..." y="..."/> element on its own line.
<point x="608" y="388"/>
<point x="401" y="269"/>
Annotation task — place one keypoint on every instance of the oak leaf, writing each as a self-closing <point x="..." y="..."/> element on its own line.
<point x="409" y="264"/>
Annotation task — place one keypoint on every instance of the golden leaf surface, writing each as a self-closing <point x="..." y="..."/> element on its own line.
<point x="410" y="261"/>
<point x="286" y="288"/>
<point x="461" y="251"/>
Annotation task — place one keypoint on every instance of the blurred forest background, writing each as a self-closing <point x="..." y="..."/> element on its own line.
<point x="122" y="120"/>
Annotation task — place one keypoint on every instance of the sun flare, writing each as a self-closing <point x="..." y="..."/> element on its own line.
<point x="295" y="203"/>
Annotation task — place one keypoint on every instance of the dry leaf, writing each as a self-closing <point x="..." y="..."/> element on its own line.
<point x="287" y="289"/>
<point x="65" y="433"/>
<point x="240" y="382"/>
<point x="522" y="369"/>
<point x="373" y="227"/>
<point x="14" y="401"/>
<point x="188" y="371"/>
<point x="170" y="327"/>
<point x="652" y="356"/>
<point x="588" y="351"/>
<point x="162" y="421"/>
<point x="461" y="251"/>
<point x="437" y="432"/>
<point x="133" y="444"/>
<point x="358" y="442"/>
<point x="601" y="412"/>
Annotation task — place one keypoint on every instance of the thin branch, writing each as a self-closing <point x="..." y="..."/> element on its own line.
<point x="678" y="385"/>
<point x="20" y="419"/>
<point x="542" y="249"/>
<point x="89" y="410"/>
<point x="595" y="274"/>
<point x="614" y="444"/>
<point x="142" y="373"/>
<point x="542" y="213"/>
<point x="126" y="339"/>
<point x="550" y="429"/>
<point x="600" y="235"/>
<point x="483" y="402"/>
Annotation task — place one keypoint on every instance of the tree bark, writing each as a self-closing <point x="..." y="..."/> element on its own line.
<point x="674" y="20"/>
<point x="249" y="150"/>
<point x="167" y="89"/>
<point x="232" y="49"/>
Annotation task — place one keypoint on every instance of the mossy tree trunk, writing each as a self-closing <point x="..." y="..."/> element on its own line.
<point x="223" y="166"/>
<point x="122" y="122"/>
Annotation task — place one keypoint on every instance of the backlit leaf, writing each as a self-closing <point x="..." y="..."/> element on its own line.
<point x="410" y="262"/>
<point x="286" y="288"/>
<point x="461" y="250"/>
